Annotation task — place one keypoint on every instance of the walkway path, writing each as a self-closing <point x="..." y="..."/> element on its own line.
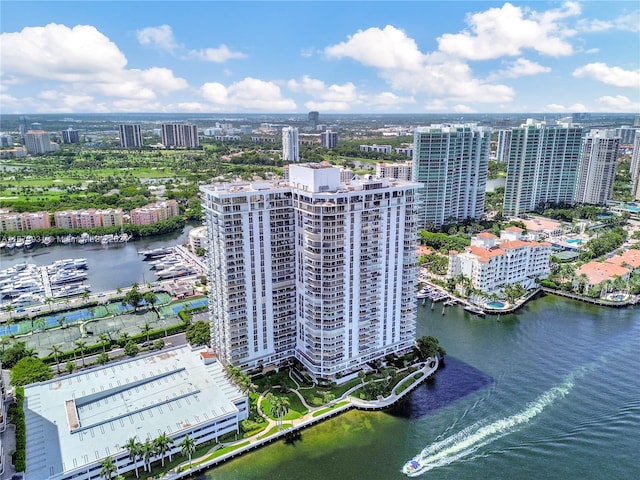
<point x="310" y="418"/>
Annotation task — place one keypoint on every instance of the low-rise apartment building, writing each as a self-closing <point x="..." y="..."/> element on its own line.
<point x="492" y="262"/>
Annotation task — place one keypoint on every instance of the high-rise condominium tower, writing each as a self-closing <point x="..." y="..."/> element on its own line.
<point x="314" y="119"/>
<point x="542" y="168"/>
<point x="451" y="162"/>
<point x="38" y="142"/>
<point x="329" y="139"/>
<point x="597" y="167"/>
<point x="635" y="167"/>
<point x="180" y="135"/>
<point x="130" y="135"/>
<point x="290" y="146"/>
<point x="311" y="268"/>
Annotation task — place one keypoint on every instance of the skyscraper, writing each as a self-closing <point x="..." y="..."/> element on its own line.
<point x="451" y="162"/>
<point x="635" y="167"/>
<point x="290" y="146"/>
<point x="313" y="269"/>
<point x="314" y="119"/>
<point x="130" y="135"/>
<point x="180" y="135"/>
<point x="70" y="136"/>
<point x="542" y="168"/>
<point x="597" y="171"/>
<point x="38" y="142"/>
<point x="329" y="139"/>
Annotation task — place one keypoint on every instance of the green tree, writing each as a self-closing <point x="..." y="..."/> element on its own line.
<point x="145" y="330"/>
<point x="80" y="345"/>
<point x="428" y="346"/>
<point x="102" y="358"/>
<point x="188" y="447"/>
<point x="151" y="300"/>
<point x="105" y="340"/>
<point x="198" y="333"/>
<point x="279" y="407"/>
<point x="55" y="351"/>
<point x="11" y="355"/>
<point x="70" y="367"/>
<point x="147" y="451"/>
<point x="135" y="450"/>
<point x="131" y="348"/>
<point x="162" y="445"/>
<point x="29" y="370"/>
<point x="109" y="468"/>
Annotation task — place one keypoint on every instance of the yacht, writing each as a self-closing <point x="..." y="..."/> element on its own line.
<point x="413" y="468"/>
<point x="48" y="240"/>
<point x="20" y="242"/>
<point x="28" y="241"/>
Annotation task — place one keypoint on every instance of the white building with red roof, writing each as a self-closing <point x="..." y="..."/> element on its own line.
<point x="491" y="262"/>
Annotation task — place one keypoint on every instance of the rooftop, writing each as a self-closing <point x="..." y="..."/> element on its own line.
<point x="82" y="418"/>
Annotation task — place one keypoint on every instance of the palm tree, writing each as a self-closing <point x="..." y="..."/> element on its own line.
<point x="147" y="451"/>
<point x="279" y="408"/>
<point x="10" y="309"/>
<point x="134" y="448"/>
<point x="81" y="346"/>
<point x="146" y="330"/>
<point x="108" y="468"/>
<point x="49" y="301"/>
<point x="55" y="351"/>
<point x="106" y="340"/>
<point x="188" y="447"/>
<point x="85" y="297"/>
<point x="162" y="444"/>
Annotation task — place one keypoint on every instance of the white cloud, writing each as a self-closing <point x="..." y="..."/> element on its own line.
<point x="159" y="37"/>
<point x="519" y="68"/>
<point x="249" y="94"/>
<point x="389" y="48"/>
<point x="78" y="63"/>
<point x="57" y="52"/>
<point x="592" y="50"/>
<point x="217" y="55"/>
<point x="463" y="109"/>
<point x="617" y="103"/>
<point x="558" y="108"/>
<point x="629" y="22"/>
<point x="506" y="31"/>
<point x="616" y="76"/>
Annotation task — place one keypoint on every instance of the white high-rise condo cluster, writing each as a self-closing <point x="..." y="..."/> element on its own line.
<point x="290" y="145"/>
<point x="130" y="135"/>
<point x="451" y="162"/>
<point x="542" y="166"/>
<point x="180" y="135"/>
<point x="329" y="139"/>
<point x="312" y="268"/>
<point x="597" y="167"/>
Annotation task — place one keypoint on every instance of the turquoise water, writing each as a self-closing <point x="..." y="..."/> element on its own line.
<point x="495" y="305"/>
<point x="574" y="240"/>
<point x="550" y="392"/>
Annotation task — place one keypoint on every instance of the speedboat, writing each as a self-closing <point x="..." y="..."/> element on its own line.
<point x="412" y="468"/>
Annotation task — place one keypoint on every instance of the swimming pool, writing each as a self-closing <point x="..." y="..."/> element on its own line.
<point x="495" y="304"/>
<point x="574" y="240"/>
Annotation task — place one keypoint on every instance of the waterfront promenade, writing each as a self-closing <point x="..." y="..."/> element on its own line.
<point x="314" y="416"/>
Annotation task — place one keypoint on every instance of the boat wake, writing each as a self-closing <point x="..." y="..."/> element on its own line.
<point x="467" y="441"/>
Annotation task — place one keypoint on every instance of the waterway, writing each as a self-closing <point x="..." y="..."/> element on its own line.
<point x="550" y="392"/>
<point x="109" y="266"/>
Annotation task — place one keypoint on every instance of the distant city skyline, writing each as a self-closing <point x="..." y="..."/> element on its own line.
<point x="332" y="57"/>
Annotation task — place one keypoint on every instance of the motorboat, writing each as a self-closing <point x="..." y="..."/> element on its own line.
<point x="413" y="468"/>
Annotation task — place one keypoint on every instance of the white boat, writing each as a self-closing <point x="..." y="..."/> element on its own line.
<point x="3" y="244"/>
<point x="413" y="468"/>
<point x="84" y="238"/>
<point x="28" y="241"/>
<point x="48" y="240"/>
<point x="19" y="242"/>
<point x="106" y="239"/>
<point x="11" y="242"/>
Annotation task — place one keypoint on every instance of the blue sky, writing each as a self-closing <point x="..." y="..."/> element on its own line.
<point x="332" y="56"/>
